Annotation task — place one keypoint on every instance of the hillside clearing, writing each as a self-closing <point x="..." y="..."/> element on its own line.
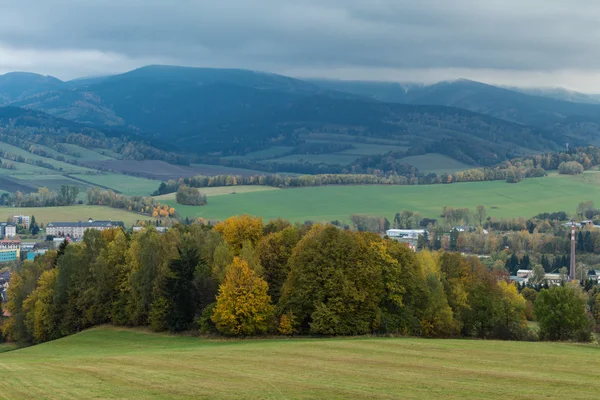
<point x="118" y="363"/>
<point x="327" y="203"/>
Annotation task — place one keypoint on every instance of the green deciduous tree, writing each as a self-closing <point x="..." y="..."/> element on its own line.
<point x="334" y="285"/>
<point x="561" y="314"/>
<point x="274" y="252"/>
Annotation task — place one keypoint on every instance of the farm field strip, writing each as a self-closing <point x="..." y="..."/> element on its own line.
<point x="110" y="362"/>
<point x="66" y="167"/>
<point x="128" y="185"/>
<point x="87" y="154"/>
<point x="73" y="213"/>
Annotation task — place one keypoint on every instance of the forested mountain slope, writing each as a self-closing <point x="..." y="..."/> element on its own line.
<point x="229" y="112"/>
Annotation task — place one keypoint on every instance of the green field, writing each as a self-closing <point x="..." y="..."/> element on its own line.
<point x="128" y="185"/>
<point x="25" y="169"/>
<point x="527" y="198"/>
<point x="435" y="163"/>
<point x="72" y="213"/>
<point x="110" y="363"/>
<point x="86" y="154"/>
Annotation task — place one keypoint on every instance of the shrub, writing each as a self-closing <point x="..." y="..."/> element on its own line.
<point x="570" y="168"/>
<point x="190" y="196"/>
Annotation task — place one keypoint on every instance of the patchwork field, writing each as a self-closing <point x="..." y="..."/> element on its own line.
<point x="112" y="363"/>
<point x="72" y="213"/>
<point x="327" y="203"/>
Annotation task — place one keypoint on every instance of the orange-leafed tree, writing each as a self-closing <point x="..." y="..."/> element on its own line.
<point x="239" y="230"/>
<point x="243" y="305"/>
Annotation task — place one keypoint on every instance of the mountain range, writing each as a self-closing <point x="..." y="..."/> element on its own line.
<point x="203" y="112"/>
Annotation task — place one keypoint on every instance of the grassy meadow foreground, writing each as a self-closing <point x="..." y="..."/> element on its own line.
<point x="327" y="203"/>
<point x="118" y="363"/>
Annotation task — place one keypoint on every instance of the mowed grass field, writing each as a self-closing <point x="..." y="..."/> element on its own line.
<point x="527" y="198"/>
<point x="110" y="363"/>
<point x="72" y="213"/>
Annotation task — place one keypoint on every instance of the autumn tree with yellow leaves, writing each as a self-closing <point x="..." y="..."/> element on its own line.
<point x="239" y="230"/>
<point x="243" y="305"/>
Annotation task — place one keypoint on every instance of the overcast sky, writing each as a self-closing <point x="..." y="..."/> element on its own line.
<point x="514" y="42"/>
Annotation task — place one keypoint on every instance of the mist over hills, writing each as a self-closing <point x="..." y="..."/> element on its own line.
<point x="199" y="112"/>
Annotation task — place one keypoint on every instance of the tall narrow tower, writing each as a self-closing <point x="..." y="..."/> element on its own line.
<point x="572" y="269"/>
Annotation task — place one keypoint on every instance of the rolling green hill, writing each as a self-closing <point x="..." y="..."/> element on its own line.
<point x="112" y="363"/>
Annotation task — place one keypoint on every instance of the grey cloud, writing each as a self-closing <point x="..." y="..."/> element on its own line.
<point x="520" y="35"/>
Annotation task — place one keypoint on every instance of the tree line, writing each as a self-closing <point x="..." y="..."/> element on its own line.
<point x="244" y="277"/>
<point x="139" y="204"/>
<point x="66" y="196"/>
<point x="389" y="170"/>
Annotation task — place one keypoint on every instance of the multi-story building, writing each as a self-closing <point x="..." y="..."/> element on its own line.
<point x="7" y="230"/>
<point x="21" y="220"/>
<point x="77" y="229"/>
<point x="10" y="250"/>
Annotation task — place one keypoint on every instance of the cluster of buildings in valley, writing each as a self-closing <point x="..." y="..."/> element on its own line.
<point x="77" y="229"/>
<point x="9" y="230"/>
<point x="525" y="276"/>
<point x="408" y="236"/>
<point x="12" y="249"/>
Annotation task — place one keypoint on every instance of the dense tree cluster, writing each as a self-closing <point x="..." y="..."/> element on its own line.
<point x="366" y="223"/>
<point x="190" y="196"/>
<point x="44" y="197"/>
<point x="139" y="204"/>
<point x="247" y="278"/>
